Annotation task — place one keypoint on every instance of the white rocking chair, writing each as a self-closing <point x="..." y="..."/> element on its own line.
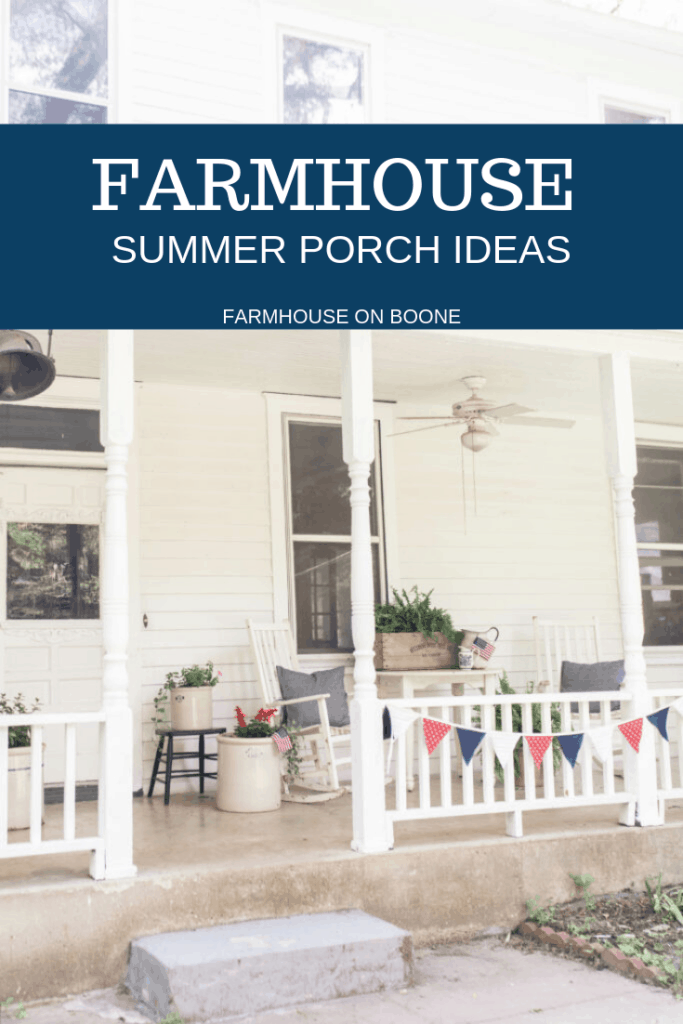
<point x="555" y="642"/>
<point x="272" y="645"/>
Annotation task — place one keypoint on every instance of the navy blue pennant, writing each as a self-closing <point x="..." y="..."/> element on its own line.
<point x="658" y="719"/>
<point x="571" y="745"/>
<point x="469" y="741"/>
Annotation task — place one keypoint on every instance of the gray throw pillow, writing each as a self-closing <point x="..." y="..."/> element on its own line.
<point x="301" y="684"/>
<point x="602" y="675"/>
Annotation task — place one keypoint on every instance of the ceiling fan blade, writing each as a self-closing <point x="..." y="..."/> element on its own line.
<point x="422" y="417"/>
<point x="449" y="423"/>
<point x="507" y="410"/>
<point x="539" y="421"/>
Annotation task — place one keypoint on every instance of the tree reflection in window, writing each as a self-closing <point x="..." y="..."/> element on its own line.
<point x="53" y="571"/>
<point x="322" y="83"/>
<point x="57" y="46"/>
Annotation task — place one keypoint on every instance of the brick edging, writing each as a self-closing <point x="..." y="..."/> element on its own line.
<point x="632" y="966"/>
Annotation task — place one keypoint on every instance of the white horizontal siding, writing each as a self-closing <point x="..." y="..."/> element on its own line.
<point x="444" y="62"/>
<point x="204" y="542"/>
<point x="540" y="542"/>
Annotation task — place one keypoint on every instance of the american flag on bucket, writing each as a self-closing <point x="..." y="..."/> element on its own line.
<point x="483" y="647"/>
<point x="282" y="740"/>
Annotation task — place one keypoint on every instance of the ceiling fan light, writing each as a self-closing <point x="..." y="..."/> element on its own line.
<point x="475" y="438"/>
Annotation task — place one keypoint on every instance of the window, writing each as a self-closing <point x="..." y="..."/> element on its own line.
<point x="323" y="82"/>
<point x="70" y="430"/>
<point x="320" y="535"/>
<point x="658" y="497"/>
<point x="616" y="103"/>
<point x="53" y="571"/>
<point x="615" y="115"/>
<point x="57" y="68"/>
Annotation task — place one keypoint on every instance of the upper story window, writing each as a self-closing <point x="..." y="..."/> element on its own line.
<point x="323" y="82"/>
<point x="320" y="536"/>
<point x="57" y="71"/>
<point x="658" y="497"/>
<point x="617" y="115"/>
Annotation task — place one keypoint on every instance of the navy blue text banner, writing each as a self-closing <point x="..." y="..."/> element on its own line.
<point x="382" y="226"/>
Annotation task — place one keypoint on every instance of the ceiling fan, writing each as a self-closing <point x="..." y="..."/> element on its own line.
<point x="480" y="415"/>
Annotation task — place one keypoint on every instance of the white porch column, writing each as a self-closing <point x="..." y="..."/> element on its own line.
<point x="620" y="447"/>
<point x="116" y="779"/>
<point x="370" y="833"/>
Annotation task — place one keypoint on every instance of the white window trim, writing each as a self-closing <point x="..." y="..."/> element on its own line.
<point x="658" y="435"/>
<point x="605" y="93"/>
<point x="118" y="17"/>
<point x="277" y="18"/>
<point x="278" y="409"/>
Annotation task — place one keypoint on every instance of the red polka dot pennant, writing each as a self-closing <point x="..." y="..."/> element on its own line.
<point x="434" y="733"/>
<point x="632" y="731"/>
<point x="538" y="746"/>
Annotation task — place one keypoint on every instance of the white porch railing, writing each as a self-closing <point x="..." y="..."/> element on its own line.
<point x="669" y="761"/>
<point x="69" y="841"/>
<point x="460" y="789"/>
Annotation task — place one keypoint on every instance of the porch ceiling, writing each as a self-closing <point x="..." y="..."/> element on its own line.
<point x="421" y="368"/>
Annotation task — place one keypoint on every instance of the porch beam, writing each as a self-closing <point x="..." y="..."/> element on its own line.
<point x="370" y="828"/>
<point x="620" y="451"/>
<point x="657" y="346"/>
<point x="116" y="772"/>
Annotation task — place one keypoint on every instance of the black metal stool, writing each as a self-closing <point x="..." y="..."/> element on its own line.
<point x="171" y="755"/>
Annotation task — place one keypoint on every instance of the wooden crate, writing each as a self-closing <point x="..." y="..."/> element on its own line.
<point x="405" y="651"/>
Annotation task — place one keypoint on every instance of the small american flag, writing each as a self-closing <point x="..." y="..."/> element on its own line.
<point x="282" y="740"/>
<point x="483" y="647"/>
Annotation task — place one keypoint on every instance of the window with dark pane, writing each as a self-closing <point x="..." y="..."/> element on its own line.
<point x="65" y="430"/>
<point x="321" y="536"/>
<point x="53" y="571"/>
<point x="658" y="499"/>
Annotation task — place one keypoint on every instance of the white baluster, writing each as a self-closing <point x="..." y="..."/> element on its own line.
<point x="36" y="784"/>
<point x="445" y="769"/>
<point x="567" y="770"/>
<point x="529" y="766"/>
<point x="4" y="785"/>
<point x="548" y="760"/>
<point x="69" y="781"/>
<point x="423" y="764"/>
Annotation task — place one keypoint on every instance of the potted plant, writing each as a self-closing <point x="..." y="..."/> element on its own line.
<point x="411" y="634"/>
<point x="19" y="781"/>
<point x="249" y="764"/>
<point x="188" y="693"/>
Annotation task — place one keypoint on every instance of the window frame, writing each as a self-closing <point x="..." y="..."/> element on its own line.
<point x="114" y="17"/>
<point x="605" y="93"/>
<point x="668" y="438"/>
<point x="280" y="19"/>
<point x="281" y="410"/>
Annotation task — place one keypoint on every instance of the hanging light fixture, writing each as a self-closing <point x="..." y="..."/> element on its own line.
<point x="25" y="371"/>
<point x="478" y="435"/>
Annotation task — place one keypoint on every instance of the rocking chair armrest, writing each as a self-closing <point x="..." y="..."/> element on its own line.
<point x="300" y="700"/>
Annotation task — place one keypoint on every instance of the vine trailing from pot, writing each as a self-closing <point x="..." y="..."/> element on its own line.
<point x="413" y="612"/>
<point x="19" y="735"/>
<point x="195" y="675"/>
<point x="260" y="726"/>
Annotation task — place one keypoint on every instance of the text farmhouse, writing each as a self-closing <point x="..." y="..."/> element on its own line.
<point x="308" y="185"/>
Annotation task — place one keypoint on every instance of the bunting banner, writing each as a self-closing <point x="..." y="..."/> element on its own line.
<point x="470" y="740"/>
<point x="659" y="720"/>
<point x="538" y="744"/>
<point x="434" y="732"/>
<point x="570" y="745"/>
<point x="601" y="738"/>
<point x="632" y="731"/>
<point x="504" y="744"/>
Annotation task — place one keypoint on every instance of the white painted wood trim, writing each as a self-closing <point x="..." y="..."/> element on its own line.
<point x="604" y="92"/>
<point x="659" y="434"/>
<point x="326" y="28"/>
<point x="278" y="407"/>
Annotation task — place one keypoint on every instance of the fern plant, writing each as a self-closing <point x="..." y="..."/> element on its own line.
<point x="413" y="612"/>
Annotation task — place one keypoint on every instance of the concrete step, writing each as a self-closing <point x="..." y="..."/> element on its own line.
<point x="261" y="965"/>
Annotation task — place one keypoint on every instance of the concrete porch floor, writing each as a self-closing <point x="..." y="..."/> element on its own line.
<point x="197" y="866"/>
